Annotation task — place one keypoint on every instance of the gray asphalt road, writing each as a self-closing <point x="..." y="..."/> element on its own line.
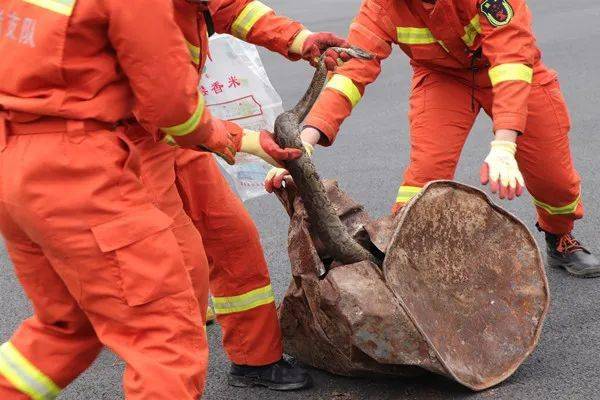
<point x="566" y="364"/>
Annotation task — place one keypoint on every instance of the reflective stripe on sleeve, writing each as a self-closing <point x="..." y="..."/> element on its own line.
<point x="471" y="31"/>
<point x="191" y="124"/>
<point x="563" y="210"/>
<point x="24" y="376"/>
<point x="247" y="18"/>
<point x="345" y="86"/>
<point x="407" y="35"/>
<point x="194" y="52"/>
<point x="510" y="72"/>
<point x="244" y="302"/>
<point x="406" y="193"/>
<point x="169" y="140"/>
<point x="64" y="7"/>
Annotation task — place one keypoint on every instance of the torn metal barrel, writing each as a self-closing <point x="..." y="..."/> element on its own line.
<point x="462" y="292"/>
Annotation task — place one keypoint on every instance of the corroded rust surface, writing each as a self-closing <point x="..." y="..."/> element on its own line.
<point x="437" y="306"/>
<point x="471" y="277"/>
<point x="345" y="323"/>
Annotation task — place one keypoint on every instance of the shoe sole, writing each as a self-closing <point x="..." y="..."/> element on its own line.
<point x="244" y="381"/>
<point x="594" y="273"/>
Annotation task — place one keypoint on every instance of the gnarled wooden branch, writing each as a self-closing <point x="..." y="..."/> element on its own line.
<point x="322" y="216"/>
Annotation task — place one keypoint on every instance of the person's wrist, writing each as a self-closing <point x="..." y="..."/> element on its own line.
<point x="506" y="135"/>
<point x="310" y="135"/>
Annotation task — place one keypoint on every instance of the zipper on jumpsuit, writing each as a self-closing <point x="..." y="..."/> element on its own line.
<point x="474" y="55"/>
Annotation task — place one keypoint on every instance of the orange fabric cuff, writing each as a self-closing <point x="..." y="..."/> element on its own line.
<point x="513" y="121"/>
<point x="329" y="131"/>
<point x="205" y="128"/>
<point x="276" y="33"/>
<point x="327" y="115"/>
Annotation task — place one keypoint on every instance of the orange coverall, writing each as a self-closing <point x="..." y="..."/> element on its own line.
<point x="97" y="259"/>
<point x="239" y="277"/>
<point x="466" y="55"/>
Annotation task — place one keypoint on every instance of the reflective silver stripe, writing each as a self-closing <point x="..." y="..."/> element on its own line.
<point x="471" y="31"/>
<point x="410" y="35"/>
<point x="191" y="124"/>
<point x="406" y="193"/>
<point x="345" y="86"/>
<point x="244" y="302"/>
<point x="64" y="7"/>
<point x="561" y="210"/>
<point x="249" y="16"/>
<point x="24" y="375"/>
<point x="194" y="52"/>
<point x="510" y="72"/>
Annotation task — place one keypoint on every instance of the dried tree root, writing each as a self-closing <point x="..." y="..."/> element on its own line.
<point x="322" y="216"/>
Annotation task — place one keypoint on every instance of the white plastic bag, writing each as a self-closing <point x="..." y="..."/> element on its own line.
<point x="236" y="88"/>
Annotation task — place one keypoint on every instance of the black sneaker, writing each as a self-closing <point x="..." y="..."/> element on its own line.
<point x="282" y="375"/>
<point x="566" y="252"/>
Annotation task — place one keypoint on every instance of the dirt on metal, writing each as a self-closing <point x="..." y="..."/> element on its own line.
<point x="463" y="292"/>
<point x="452" y="285"/>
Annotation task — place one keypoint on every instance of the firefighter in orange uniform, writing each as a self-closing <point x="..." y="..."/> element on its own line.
<point x="239" y="278"/>
<point x="98" y="260"/>
<point x="469" y="55"/>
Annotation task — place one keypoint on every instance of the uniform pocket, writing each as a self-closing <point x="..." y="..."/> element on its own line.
<point x="416" y="102"/>
<point x="149" y="259"/>
<point x="559" y="104"/>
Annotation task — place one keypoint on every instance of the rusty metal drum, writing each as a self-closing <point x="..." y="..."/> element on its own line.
<point x="462" y="292"/>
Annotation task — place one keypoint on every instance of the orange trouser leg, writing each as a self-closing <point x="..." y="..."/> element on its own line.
<point x="81" y="201"/>
<point x="441" y="116"/>
<point x="544" y="158"/>
<point x="239" y="276"/>
<point x="58" y="337"/>
<point x="158" y="176"/>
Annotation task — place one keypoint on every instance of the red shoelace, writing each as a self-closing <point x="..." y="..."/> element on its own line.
<point x="568" y="244"/>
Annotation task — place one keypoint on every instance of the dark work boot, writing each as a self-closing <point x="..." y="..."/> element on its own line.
<point x="282" y="375"/>
<point x="566" y="252"/>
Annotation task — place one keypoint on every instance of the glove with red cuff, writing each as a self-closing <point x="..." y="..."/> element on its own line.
<point x="310" y="46"/>
<point x="225" y="139"/>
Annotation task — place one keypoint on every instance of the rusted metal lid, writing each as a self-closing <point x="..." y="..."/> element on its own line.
<point x="471" y="278"/>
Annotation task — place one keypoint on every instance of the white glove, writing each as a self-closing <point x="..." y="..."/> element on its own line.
<point x="500" y="169"/>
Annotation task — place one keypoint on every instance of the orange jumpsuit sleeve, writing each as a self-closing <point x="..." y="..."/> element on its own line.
<point x="157" y="64"/>
<point x="255" y="22"/>
<point x="509" y="45"/>
<point x="373" y="31"/>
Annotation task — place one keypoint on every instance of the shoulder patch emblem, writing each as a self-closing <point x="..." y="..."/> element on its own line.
<point x="498" y="12"/>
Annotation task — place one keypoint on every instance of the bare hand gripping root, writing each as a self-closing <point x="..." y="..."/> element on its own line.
<point x="323" y="218"/>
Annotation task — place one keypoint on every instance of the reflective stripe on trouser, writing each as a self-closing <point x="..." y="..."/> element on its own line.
<point x="251" y="333"/>
<point x="24" y="375"/>
<point x="543" y="151"/>
<point x="244" y="302"/>
<point x="124" y="271"/>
